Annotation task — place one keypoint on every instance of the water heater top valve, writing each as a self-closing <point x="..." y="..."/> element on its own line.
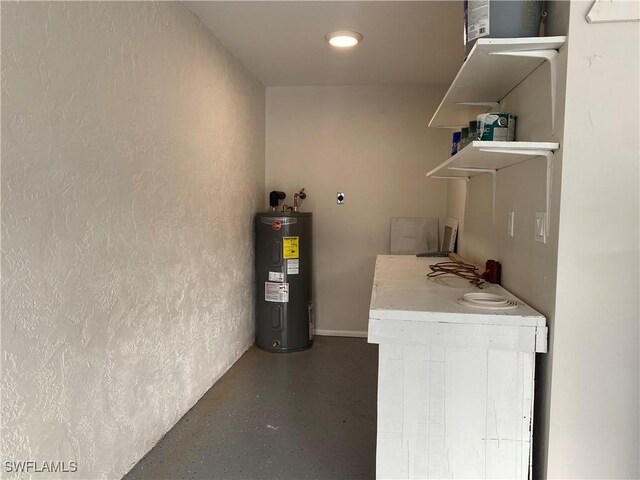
<point x="274" y="199"/>
<point x="300" y="195"/>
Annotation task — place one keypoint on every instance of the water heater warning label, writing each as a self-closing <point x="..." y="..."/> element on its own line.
<point x="290" y="247"/>
<point x="276" y="292"/>
<point x="293" y="267"/>
<point x="276" y="277"/>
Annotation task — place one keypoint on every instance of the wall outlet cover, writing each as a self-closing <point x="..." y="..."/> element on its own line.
<point x="541" y="227"/>
<point x="510" y="221"/>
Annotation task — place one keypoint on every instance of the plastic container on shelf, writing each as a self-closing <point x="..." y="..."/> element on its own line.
<point x="500" y="19"/>
<point x="497" y="127"/>
<point x="455" y="141"/>
<point x="464" y="138"/>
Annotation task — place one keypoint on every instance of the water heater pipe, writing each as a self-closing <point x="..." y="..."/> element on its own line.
<point x="274" y="198"/>
<point x="300" y="195"/>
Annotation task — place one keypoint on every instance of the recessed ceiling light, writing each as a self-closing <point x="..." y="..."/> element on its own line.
<point x="343" y="39"/>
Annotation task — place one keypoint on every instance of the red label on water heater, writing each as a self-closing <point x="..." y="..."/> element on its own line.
<point x="276" y="225"/>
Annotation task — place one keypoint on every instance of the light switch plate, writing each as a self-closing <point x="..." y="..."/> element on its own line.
<point x="541" y="227"/>
<point x="510" y="220"/>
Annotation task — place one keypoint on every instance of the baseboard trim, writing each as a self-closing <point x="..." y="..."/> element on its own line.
<point x="340" y="333"/>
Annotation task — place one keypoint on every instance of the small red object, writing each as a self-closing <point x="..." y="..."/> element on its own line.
<point x="276" y="225"/>
<point x="492" y="271"/>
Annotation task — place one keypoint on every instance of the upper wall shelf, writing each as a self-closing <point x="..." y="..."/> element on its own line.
<point x="480" y="157"/>
<point x="494" y="67"/>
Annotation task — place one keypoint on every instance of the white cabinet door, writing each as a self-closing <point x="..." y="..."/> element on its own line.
<point x="454" y="412"/>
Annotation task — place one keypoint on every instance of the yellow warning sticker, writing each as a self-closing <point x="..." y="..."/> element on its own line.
<point x="290" y="247"/>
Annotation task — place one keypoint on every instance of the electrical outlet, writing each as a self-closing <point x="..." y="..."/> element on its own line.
<point x="541" y="227"/>
<point x="510" y="220"/>
<point x="340" y="198"/>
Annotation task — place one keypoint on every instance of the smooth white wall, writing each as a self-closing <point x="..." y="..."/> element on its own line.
<point x="594" y="416"/>
<point x="371" y="143"/>
<point x="132" y="164"/>
<point x="528" y="267"/>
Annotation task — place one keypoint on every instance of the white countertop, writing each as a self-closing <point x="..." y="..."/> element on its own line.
<point x="402" y="291"/>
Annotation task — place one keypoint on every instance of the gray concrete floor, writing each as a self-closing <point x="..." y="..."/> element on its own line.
<point x="305" y="415"/>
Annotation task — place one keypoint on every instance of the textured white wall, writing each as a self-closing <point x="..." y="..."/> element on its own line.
<point x="132" y="162"/>
<point x="371" y="143"/>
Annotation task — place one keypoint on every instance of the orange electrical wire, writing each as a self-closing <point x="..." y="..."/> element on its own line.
<point x="460" y="269"/>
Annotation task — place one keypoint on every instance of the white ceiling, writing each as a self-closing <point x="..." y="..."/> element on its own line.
<point x="282" y="43"/>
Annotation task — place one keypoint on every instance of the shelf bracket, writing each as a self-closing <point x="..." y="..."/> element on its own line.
<point x="549" y="156"/>
<point x="613" y="11"/>
<point x="466" y="187"/>
<point x="493" y="172"/>
<point x="550" y="56"/>
<point x="450" y="178"/>
<point x="492" y="105"/>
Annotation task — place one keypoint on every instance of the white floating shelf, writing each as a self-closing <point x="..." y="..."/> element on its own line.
<point x="480" y="157"/>
<point x="494" y="67"/>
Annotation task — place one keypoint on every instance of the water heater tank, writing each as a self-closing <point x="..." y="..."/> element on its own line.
<point x="284" y="306"/>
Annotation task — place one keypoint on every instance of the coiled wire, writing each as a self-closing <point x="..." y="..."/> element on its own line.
<point x="460" y="269"/>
